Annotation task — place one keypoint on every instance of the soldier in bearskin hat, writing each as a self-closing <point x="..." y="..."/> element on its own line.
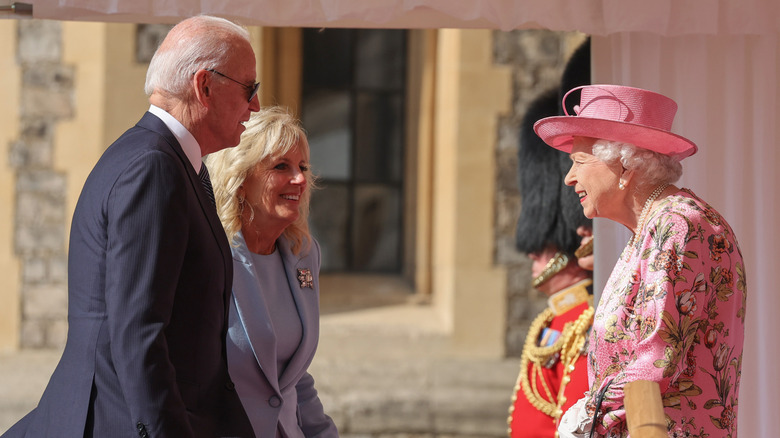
<point x="553" y="370"/>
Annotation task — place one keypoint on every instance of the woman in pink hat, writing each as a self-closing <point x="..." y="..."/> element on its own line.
<point x="673" y="309"/>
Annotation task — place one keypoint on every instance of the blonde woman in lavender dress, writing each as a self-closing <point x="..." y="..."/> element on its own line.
<point x="262" y="189"/>
<point x="673" y="309"/>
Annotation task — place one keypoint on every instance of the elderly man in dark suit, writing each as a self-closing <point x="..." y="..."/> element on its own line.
<point x="149" y="266"/>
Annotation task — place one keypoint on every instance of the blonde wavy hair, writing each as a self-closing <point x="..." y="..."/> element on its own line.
<point x="270" y="133"/>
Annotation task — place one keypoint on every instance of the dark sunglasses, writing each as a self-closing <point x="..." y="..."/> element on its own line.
<point x="251" y="88"/>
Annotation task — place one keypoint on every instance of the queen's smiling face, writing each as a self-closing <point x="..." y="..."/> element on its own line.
<point x="595" y="181"/>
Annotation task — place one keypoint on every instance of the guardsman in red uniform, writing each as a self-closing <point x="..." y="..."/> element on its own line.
<point x="553" y="370"/>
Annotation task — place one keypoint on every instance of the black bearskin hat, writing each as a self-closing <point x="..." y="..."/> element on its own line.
<point x="550" y="211"/>
<point x="575" y="74"/>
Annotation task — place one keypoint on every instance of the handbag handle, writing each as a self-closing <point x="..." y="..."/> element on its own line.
<point x="599" y="400"/>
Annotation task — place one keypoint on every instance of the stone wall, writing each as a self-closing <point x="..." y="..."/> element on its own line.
<point x="537" y="58"/>
<point x="40" y="235"/>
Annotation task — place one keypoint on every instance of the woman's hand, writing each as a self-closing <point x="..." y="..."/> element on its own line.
<point x="575" y="423"/>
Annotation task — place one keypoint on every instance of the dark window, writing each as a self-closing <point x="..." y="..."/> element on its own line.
<point x="353" y="111"/>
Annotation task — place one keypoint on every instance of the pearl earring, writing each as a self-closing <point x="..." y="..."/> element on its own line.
<point x="621" y="186"/>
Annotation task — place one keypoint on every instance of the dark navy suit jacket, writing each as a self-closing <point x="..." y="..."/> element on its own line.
<point x="149" y="276"/>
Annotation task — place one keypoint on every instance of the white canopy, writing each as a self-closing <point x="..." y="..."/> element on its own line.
<point x="596" y="17"/>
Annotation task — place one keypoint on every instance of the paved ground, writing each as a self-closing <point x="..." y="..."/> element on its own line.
<point x="382" y="372"/>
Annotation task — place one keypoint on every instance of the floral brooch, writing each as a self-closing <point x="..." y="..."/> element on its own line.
<point x="305" y="278"/>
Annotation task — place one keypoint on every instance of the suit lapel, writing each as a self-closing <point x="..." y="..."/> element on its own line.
<point x="153" y="123"/>
<point x="307" y="302"/>
<point x="253" y="312"/>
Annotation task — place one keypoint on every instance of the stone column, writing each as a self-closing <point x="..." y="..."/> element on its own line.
<point x="39" y="223"/>
<point x="468" y="287"/>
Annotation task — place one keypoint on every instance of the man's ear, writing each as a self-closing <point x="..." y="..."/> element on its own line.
<point x="201" y="82"/>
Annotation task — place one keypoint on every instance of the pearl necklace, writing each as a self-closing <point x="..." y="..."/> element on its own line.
<point x="645" y="210"/>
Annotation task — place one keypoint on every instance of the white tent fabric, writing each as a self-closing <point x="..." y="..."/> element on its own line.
<point x="597" y="17"/>
<point x="729" y="104"/>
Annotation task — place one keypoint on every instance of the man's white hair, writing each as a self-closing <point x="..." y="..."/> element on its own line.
<point x="196" y="43"/>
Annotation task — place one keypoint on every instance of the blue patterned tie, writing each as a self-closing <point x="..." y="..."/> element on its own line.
<point x="206" y="181"/>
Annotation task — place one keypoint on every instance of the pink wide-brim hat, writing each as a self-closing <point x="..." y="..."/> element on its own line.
<point x="618" y="113"/>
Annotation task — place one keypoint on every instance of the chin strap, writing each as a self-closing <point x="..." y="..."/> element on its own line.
<point x="554" y="266"/>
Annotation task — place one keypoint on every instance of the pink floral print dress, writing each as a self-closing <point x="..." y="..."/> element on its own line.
<point x="673" y="311"/>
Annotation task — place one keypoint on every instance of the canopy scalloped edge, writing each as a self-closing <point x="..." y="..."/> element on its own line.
<point x="597" y="17"/>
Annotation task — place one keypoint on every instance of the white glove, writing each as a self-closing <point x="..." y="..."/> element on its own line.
<point x="575" y="423"/>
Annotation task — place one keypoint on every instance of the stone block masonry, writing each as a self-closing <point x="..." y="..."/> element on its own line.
<point x="39" y="224"/>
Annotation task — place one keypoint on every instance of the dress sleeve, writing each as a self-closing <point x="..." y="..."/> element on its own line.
<point x="314" y="421"/>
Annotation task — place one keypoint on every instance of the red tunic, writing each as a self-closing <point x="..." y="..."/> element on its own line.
<point x="529" y="422"/>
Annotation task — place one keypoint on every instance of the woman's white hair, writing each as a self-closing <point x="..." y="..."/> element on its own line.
<point x="270" y="133"/>
<point x="196" y="43"/>
<point x="651" y="168"/>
